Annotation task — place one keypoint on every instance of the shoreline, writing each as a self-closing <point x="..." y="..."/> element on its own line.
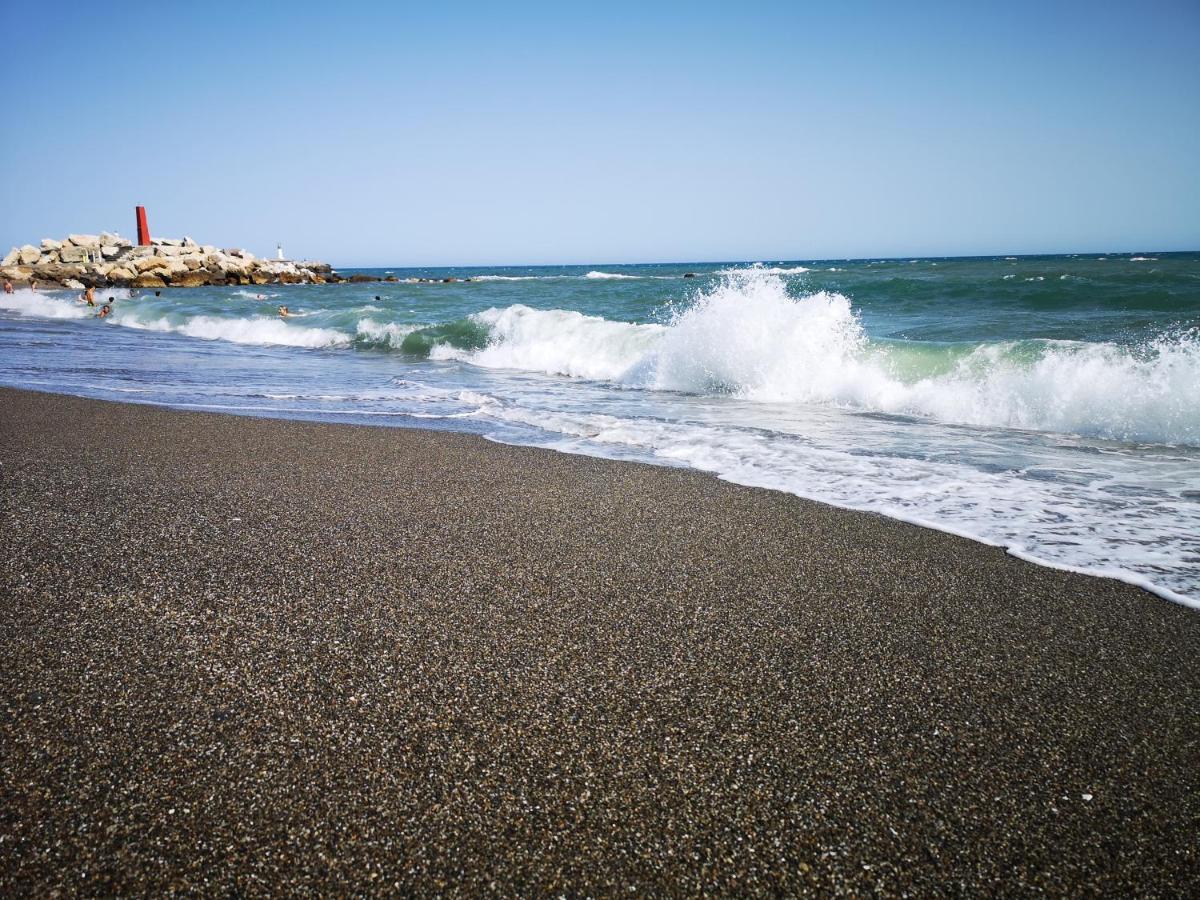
<point x="1127" y="578"/>
<point x="247" y="653"/>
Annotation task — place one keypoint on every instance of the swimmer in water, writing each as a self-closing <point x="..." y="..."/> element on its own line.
<point x="283" y="312"/>
<point x="105" y="310"/>
<point x="90" y="296"/>
<point x="8" y="288"/>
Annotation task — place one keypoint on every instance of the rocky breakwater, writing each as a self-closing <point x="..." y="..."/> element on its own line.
<point x="109" y="260"/>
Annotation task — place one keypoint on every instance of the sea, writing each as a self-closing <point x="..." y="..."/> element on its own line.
<point x="1049" y="405"/>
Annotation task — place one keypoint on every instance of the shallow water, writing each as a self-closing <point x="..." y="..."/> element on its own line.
<point x="1047" y="404"/>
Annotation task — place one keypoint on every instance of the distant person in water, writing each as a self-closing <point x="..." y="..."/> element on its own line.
<point x="33" y="285"/>
<point x="158" y="293"/>
<point x="8" y="288"/>
<point x="105" y="310"/>
<point x="283" y="312"/>
<point x="90" y="296"/>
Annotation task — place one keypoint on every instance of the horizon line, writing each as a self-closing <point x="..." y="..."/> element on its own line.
<point x="767" y="259"/>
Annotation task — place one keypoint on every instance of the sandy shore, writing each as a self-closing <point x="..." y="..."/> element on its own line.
<point x="255" y="656"/>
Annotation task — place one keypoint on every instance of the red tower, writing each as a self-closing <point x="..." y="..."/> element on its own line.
<point x="143" y="228"/>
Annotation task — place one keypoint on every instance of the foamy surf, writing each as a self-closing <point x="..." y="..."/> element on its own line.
<point x="749" y="337"/>
<point x="32" y="303"/>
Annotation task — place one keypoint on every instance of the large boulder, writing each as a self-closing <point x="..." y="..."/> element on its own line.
<point x="192" y="262"/>
<point x="14" y="257"/>
<point x="121" y="274"/>
<point x="51" y="244"/>
<point x="60" y="273"/>
<point x="150" y="263"/>
<point x="169" y="242"/>
<point x="190" y="279"/>
<point x="29" y="255"/>
<point x="73" y="285"/>
<point x="73" y="253"/>
<point x="146" y="280"/>
<point x="16" y="273"/>
<point x="110" y="251"/>
<point x="49" y="257"/>
<point x="87" y="241"/>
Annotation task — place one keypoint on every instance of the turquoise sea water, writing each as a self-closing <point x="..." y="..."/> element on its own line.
<point x="1047" y="404"/>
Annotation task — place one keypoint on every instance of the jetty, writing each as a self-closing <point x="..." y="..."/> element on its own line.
<point x="109" y="260"/>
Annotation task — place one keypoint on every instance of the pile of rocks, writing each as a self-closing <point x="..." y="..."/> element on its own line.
<point x="109" y="260"/>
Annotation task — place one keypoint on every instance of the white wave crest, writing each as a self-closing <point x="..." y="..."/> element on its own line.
<point x="252" y="330"/>
<point x="760" y="269"/>
<point x="511" y="277"/>
<point x="748" y="337"/>
<point x="612" y="276"/>
<point x="389" y="333"/>
<point x="559" y="342"/>
<point x="32" y="303"/>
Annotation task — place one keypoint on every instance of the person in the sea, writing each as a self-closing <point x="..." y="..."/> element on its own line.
<point x="89" y="296"/>
<point x="283" y="312"/>
<point x="33" y="285"/>
<point x="8" y="288"/>
<point x="105" y="310"/>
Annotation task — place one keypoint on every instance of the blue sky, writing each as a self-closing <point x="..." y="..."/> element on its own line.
<point x="397" y="134"/>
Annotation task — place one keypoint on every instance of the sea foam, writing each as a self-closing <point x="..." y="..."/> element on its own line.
<point x="749" y="337"/>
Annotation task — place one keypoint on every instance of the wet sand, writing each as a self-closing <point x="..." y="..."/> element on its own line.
<point x="255" y="656"/>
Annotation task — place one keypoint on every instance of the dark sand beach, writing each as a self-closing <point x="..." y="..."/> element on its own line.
<point x="251" y="656"/>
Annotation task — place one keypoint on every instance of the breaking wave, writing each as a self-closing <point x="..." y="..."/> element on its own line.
<point x="749" y="337"/>
<point x="31" y="303"/>
<point x="251" y="330"/>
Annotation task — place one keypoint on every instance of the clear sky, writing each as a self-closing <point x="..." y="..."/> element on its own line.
<point x="428" y="134"/>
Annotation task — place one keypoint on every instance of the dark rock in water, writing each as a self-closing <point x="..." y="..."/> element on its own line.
<point x="689" y="274"/>
<point x="391" y="278"/>
<point x="190" y="279"/>
<point x="146" y="280"/>
<point x="360" y="279"/>
<point x="449" y="280"/>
